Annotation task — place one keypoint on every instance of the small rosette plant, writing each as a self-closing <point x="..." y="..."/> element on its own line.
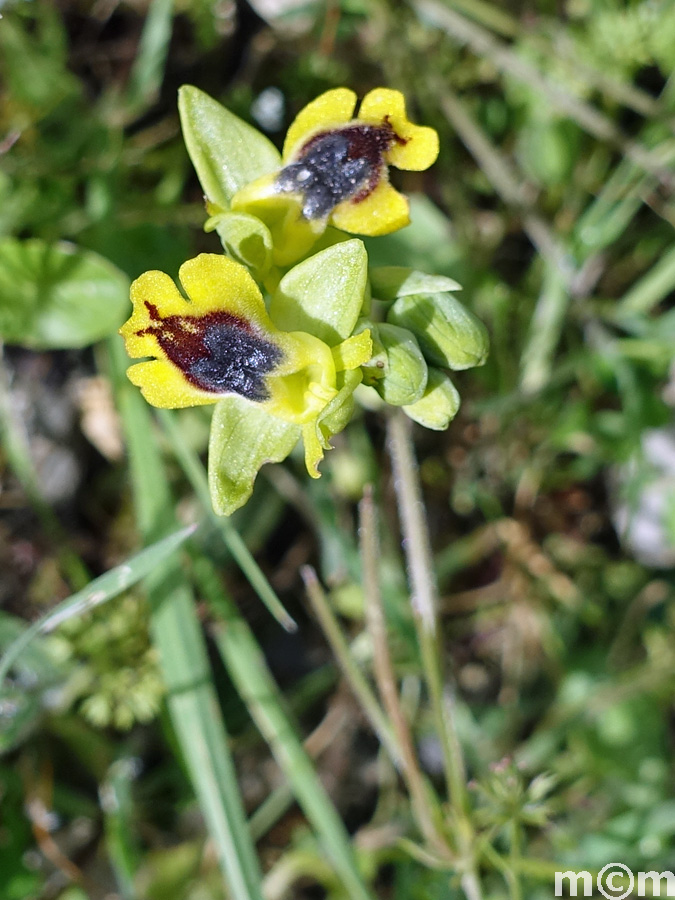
<point x="280" y="329"/>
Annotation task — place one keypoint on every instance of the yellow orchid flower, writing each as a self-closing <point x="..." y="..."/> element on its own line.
<point x="336" y="171"/>
<point x="221" y="341"/>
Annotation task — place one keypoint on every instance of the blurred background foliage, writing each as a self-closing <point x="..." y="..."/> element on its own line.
<point x="551" y="498"/>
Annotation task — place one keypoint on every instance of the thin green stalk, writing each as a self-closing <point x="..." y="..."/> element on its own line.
<point x="545" y="331"/>
<point x="176" y="632"/>
<point x="650" y="289"/>
<point x="248" y="670"/>
<point x="514" y="860"/>
<point x="385" y="677"/>
<point x="419" y="561"/>
<point x="348" y="665"/>
<point x="194" y="471"/>
<point x="270" y="811"/>
<point x="147" y="73"/>
<point x="122" y="844"/>
<point x="501" y="865"/>
<point x="281" y="798"/>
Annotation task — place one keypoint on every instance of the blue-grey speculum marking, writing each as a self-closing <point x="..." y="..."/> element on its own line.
<point x="237" y="362"/>
<point x="325" y="175"/>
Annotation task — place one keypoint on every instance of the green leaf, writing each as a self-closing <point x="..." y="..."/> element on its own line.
<point x="243" y="438"/>
<point x="449" y="334"/>
<point x="58" y="296"/>
<point x="390" y="282"/>
<point x="323" y="295"/>
<point x="397" y="370"/>
<point x="245" y="238"/>
<point x="438" y="405"/>
<point x="226" y="152"/>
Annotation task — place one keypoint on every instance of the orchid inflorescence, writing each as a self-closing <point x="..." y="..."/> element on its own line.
<point x="281" y="329"/>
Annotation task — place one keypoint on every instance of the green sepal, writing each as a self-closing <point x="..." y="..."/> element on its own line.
<point x="337" y="414"/>
<point x="243" y="438"/>
<point x="390" y="282"/>
<point x="449" y="334"/>
<point x="397" y="370"/>
<point x="332" y="419"/>
<point x="57" y="296"/>
<point x="323" y="295"/>
<point x="245" y="238"/>
<point x="226" y="152"/>
<point x="439" y="403"/>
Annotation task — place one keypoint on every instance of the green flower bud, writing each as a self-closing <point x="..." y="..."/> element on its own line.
<point x="246" y="239"/>
<point x="448" y="334"/>
<point x="439" y="404"/>
<point x="390" y="282"/>
<point x="397" y="369"/>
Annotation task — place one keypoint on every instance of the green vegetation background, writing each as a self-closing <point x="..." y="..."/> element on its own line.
<point x="551" y="498"/>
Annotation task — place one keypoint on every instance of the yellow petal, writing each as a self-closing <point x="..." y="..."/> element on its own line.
<point x="354" y="352"/>
<point x="163" y="385"/>
<point x="382" y="211"/>
<point x="329" y="110"/>
<point x="159" y="291"/>
<point x="421" y="147"/>
<point x="420" y="151"/>
<point x="215" y="283"/>
<point x="382" y="104"/>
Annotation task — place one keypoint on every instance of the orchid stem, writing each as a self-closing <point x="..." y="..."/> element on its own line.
<point x="385" y="675"/>
<point x="419" y="560"/>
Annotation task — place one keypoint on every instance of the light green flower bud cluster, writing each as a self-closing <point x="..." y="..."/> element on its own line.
<point x="425" y="331"/>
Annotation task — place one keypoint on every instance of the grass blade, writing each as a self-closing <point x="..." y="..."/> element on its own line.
<point x="148" y="70"/>
<point x="650" y="290"/>
<point x="545" y="330"/>
<point x="176" y="632"/>
<point x="247" y="668"/>
<point x="194" y="472"/>
<point x="99" y="591"/>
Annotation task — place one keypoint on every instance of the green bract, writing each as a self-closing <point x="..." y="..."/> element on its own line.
<point x="397" y="370"/>
<point x="280" y="331"/>
<point x="242" y="440"/>
<point x="390" y="282"/>
<point x="438" y="405"/>
<point x="448" y="333"/>
<point x="226" y="152"/>
<point x="245" y="238"/>
<point x="324" y="294"/>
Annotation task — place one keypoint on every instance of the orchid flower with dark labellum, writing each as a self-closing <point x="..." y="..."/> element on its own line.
<point x="336" y="171"/>
<point x="221" y="342"/>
